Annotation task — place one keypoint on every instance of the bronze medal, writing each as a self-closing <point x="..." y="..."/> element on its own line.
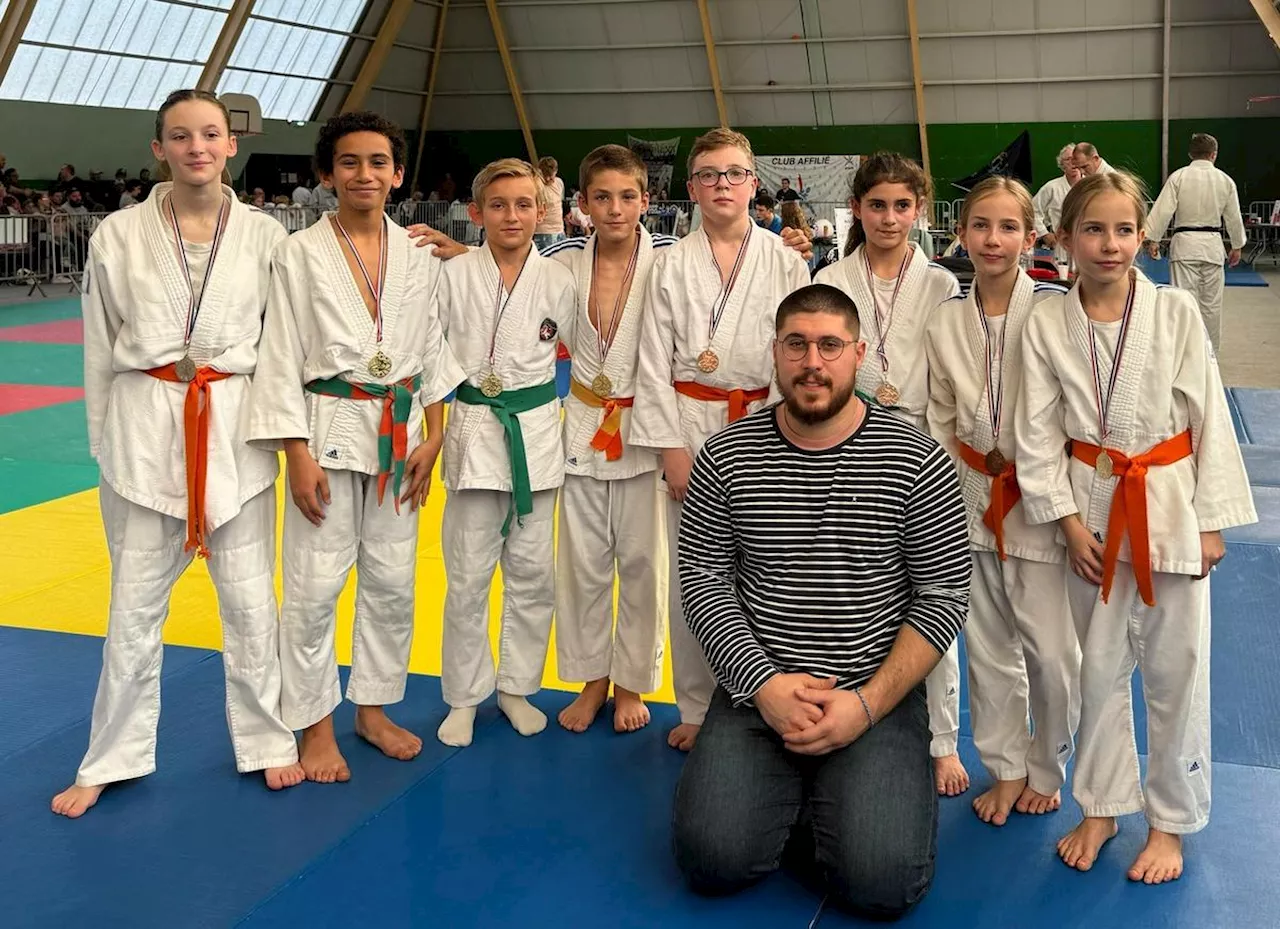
<point x="708" y="361"/>
<point x="887" y="395"/>
<point x="996" y="463"/>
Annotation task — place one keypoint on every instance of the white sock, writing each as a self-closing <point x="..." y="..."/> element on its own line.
<point x="525" y="718"/>
<point x="457" y="727"/>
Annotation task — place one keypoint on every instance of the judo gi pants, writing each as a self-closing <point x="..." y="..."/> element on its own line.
<point x="612" y="529"/>
<point x="383" y="548"/>
<point x="147" y="558"/>
<point x="1206" y="281"/>
<point x="691" y="675"/>
<point x="1169" y="644"/>
<point x="1023" y="659"/>
<point x="473" y="544"/>
<point x="942" y="688"/>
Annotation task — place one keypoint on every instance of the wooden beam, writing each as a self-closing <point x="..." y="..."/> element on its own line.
<point x="709" y="40"/>
<point x="1164" y="91"/>
<point x="431" y="90"/>
<point x="225" y="44"/>
<point x="12" y="26"/>
<point x="1264" y="8"/>
<point x="500" y="35"/>
<point x="376" y="57"/>
<point x="913" y="29"/>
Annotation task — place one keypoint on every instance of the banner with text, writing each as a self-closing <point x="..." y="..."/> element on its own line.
<point x="660" y="158"/>
<point x="817" y="178"/>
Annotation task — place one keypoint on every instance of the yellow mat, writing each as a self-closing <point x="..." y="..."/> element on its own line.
<point x="55" y="575"/>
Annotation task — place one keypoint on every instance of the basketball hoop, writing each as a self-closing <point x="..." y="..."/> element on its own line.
<point x="245" y="114"/>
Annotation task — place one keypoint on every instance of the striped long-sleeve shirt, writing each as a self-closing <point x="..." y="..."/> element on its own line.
<point x="794" y="560"/>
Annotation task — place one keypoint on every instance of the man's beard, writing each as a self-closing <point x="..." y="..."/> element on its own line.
<point x="811" y="416"/>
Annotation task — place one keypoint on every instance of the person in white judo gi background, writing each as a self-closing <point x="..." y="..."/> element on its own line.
<point x="896" y="289"/>
<point x="1023" y="658"/>
<point x="1123" y="369"/>
<point x="353" y="365"/>
<point x="504" y="309"/>
<point x="611" y="509"/>
<point x="174" y="295"/>
<point x="705" y="356"/>
<point x="1198" y="200"/>
<point x="1048" y="201"/>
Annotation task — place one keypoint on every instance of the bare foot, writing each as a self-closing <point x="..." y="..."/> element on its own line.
<point x="373" y="725"/>
<point x="683" y="736"/>
<point x="1035" y="803"/>
<point x="581" y="713"/>
<point x="319" y="756"/>
<point x="1160" y="859"/>
<point x="994" y="805"/>
<point x="1079" y="848"/>
<point x="951" y="777"/>
<point x="73" y="801"/>
<point x="629" y="712"/>
<point x="288" y="776"/>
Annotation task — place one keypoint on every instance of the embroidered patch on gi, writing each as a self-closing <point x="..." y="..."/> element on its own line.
<point x="572" y="462"/>
<point x="548" y="330"/>
<point x="1193" y="767"/>
<point x="332" y="452"/>
<point x="1063" y="748"/>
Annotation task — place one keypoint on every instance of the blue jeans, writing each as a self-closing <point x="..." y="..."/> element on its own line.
<point x="859" y="824"/>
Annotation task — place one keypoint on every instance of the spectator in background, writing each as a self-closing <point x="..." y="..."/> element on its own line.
<point x="787" y="192"/>
<point x="447" y="189"/>
<point x="550" y="229"/>
<point x="75" y="204"/>
<point x="302" y="195"/>
<point x="766" y="218"/>
<point x="133" y="193"/>
<point x="259" y="198"/>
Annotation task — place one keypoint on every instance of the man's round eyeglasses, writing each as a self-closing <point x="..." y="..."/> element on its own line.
<point x="830" y="348"/>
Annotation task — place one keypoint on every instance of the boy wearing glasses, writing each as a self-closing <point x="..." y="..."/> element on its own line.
<point x="705" y="358"/>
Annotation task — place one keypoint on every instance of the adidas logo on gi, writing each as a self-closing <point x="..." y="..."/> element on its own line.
<point x="333" y="453"/>
<point x="1193" y="767"/>
<point x="1064" y="748"/>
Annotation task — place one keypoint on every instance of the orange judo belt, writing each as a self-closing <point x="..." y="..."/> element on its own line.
<point x="607" y="438"/>
<point x="1005" y="493"/>
<point x="195" y="428"/>
<point x="1129" y="504"/>
<point x="737" y="399"/>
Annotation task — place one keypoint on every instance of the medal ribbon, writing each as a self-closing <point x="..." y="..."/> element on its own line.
<point x="500" y="305"/>
<point x="194" y="303"/>
<point x="1104" y="405"/>
<point x="605" y="341"/>
<point x="722" y="299"/>
<point x="995" y="389"/>
<point x="884" y="325"/>
<point x="375" y="291"/>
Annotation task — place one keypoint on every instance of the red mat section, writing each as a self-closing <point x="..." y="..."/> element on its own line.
<point x="15" y="398"/>
<point x="66" y="331"/>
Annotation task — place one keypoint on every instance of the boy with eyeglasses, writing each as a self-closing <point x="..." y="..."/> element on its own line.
<point x="705" y="356"/>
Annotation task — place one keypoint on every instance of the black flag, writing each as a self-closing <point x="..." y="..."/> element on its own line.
<point x="1014" y="161"/>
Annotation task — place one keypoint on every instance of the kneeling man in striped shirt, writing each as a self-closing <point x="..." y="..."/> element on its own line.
<point x="824" y="565"/>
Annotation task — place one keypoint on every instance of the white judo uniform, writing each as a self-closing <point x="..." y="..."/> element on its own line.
<point x="923" y="287"/>
<point x="318" y="327"/>
<point x="479" y="464"/>
<point x="1198" y="200"/>
<point x="1168" y="384"/>
<point x="1022" y="651"/>
<point x="612" y="515"/>
<point x="1048" y="211"/>
<point x="135" y="308"/>
<point x="683" y="287"/>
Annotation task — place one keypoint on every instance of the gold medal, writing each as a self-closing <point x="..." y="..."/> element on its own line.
<point x="185" y="368"/>
<point x="379" y="364"/>
<point x="491" y="385"/>
<point x="996" y="463"/>
<point x="602" y="387"/>
<point x="887" y="395"/>
<point x="708" y="361"/>
<point x="1104" y="466"/>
